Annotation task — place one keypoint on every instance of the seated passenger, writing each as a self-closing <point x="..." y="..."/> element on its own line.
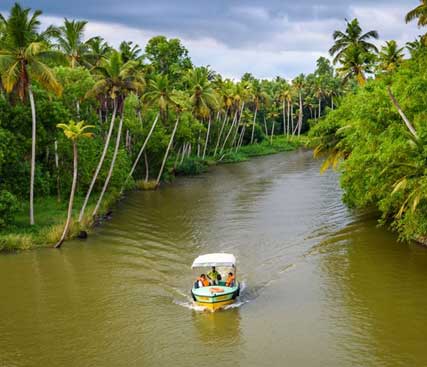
<point x="214" y="276"/>
<point x="202" y="282"/>
<point x="230" y="280"/>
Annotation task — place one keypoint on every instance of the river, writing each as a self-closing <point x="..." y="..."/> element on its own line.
<point x="323" y="286"/>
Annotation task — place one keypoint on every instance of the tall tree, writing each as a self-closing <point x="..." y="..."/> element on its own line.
<point x="354" y="38"/>
<point x="390" y="56"/>
<point x="73" y="131"/>
<point x="70" y="41"/>
<point x="117" y="80"/>
<point x="24" y="58"/>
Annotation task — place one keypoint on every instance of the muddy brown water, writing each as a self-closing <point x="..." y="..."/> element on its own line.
<point x="323" y="286"/>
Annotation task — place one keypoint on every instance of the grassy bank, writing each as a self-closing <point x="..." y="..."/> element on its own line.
<point x="51" y="214"/>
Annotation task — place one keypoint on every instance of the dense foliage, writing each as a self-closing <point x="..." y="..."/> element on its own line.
<point x="384" y="164"/>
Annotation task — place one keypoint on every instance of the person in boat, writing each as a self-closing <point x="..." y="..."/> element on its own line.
<point x="202" y="281"/>
<point x="214" y="276"/>
<point x="230" y="280"/>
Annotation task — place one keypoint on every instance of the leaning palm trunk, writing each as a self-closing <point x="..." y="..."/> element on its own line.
<point x="33" y="152"/>
<point x="142" y="150"/>
<point x="207" y="138"/>
<point x="401" y="113"/>
<point x="100" y="163"/>
<point x="253" y="126"/>
<point x="289" y="118"/>
<point x="284" y="117"/>
<point x="242" y="135"/>
<point x="300" y="114"/>
<point x="113" y="161"/>
<point x="237" y="125"/>
<point x="220" y="133"/>
<point x="229" y="133"/>
<point x="147" y="172"/>
<point x="70" y="203"/>
<point x="292" y="119"/>
<point x="265" y="126"/>
<point x="272" y="132"/>
<point x="58" y="182"/>
<point x="167" y="152"/>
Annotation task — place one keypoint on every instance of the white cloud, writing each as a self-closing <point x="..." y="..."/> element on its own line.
<point x="287" y="48"/>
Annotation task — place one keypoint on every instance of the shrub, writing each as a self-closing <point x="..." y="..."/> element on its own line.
<point x="8" y="207"/>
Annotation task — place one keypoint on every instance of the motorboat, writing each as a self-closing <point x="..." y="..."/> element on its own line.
<point x="220" y="292"/>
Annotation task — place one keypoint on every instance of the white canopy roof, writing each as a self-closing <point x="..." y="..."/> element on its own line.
<point x="214" y="260"/>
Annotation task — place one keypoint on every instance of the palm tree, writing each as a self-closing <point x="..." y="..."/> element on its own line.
<point x="203" y="97"/>
<point x="117" y="80"/>
<point x="130" y="51"/>
<point x="390" y="56"/>
<point x="420" y="13"/>
<point x="299" y="83"/>
<point x="351" y="38"/>
<point x="70" y="42"/>
<point x="159" y="94"/>
<point x="98" y="51"/>
<point x="181" y="102"/>
<point x="73" y="131"/>
<point x="355" y="64"/>
<point x="24" y="57"/>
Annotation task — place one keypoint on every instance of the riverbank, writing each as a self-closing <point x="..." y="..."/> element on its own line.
<point x="51" y="214"/>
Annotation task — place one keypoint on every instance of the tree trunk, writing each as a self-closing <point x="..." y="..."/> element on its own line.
<point x="198" y="144"/>
<point x="78" y="109"/>
<point x="238" y="123"/>
<point x="113" y="161"/>
<point x="142" y="150"/>
<point x="184" y="152"/>
<point x="265" y="126"/>
<point x="207" y="138"/>
<point x="284" y="117"/>
<point x="159" y="176"/>
<point x="289" y="117"/>
<point x="58" y="182"/>
<point x="332" y="102"/>
<point x="100" y="163"/>
<point x="220" y="132"/>
<point x="229" y="132"/>
<point x="292" y="118"/>
<point x="33" y="152"/>
<point x="241" y="137"/>
<point x="147" y="173"/>
<point x="70" y="203"/>
<point x="401" y="113"/>
<point x="253" y="125"/>
<point x="320" y="107"/>
<point x="272" y="132"/>
<point x="300" y="114"/>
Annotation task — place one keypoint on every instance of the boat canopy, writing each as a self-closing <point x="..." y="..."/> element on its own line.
<point x="214" y="260"/>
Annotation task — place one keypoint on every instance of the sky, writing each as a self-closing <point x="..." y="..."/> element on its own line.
<point x="267" y="38"/>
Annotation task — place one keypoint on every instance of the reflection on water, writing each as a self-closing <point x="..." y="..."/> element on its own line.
<point x="323" y="286"/>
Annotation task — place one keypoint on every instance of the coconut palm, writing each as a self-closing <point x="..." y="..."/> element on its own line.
<point x="130" y="51"/>
<point x="73" y="131"/>
<point x="24" y="58"/>
<point x="158" y="94"/>
<point x="354" y="65"/>
<point x="420" y="13"/>
<point x="298" y="84"/>
<point x="70" y="41"/>
<point x="351" y="38"/>
<point x="390" y="56"/>
<point x="203" y="98"/>
<point x="98" y="51"/>
<point x="181" y="102"/>
<point x="117" y="80"/>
